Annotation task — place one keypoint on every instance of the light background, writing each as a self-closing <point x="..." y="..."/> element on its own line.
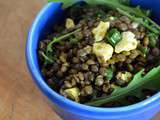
<point x="19" y="97"/>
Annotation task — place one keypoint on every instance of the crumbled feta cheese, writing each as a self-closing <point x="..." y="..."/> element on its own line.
<point x="69" y="23"/>
<point x="135" y="25"/>
<point x="127" y="43"/>
<point x="111" y="18"/>
<point x="72" y="93"/>
<point x="100" y="31"/>
<point x="103" y="51"/>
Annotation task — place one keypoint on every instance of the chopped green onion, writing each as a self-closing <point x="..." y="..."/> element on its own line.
<point x="114" y="36"/>
<point x="109" y="73"/>
<point x="152" y="40"/>
<point x="144" y="51"/>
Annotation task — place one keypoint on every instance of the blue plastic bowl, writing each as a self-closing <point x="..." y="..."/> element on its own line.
<point x="66" y="108"/>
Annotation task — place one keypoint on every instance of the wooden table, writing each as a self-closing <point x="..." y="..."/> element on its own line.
<point x="19" y="97"/>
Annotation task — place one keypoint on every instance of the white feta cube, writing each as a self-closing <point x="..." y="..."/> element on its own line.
<point x="103" y="51"/>
<point x="127" y="43"/>
<point x="100" y="31"/>
<point x="69" y="23"/>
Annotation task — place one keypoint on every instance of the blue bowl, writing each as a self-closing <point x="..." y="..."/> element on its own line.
<point x="66" y="108"/>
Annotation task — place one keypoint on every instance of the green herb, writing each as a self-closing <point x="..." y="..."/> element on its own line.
<point x="109" y="73"/>
<point x="73" y="40"/>
<point x="126" y="2"/>
<point x="150" y="81"/>
<point x="94" y="95"/>
<point x="144" y="51"/>
<point x="58" y="39"/>
<point x="47" y="59"/>
<point x="114" y="36"/>
<point x="152" y="40"/>
<point x="147" y="13"/>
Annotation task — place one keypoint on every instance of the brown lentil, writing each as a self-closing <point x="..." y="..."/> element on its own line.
<point x="88" y="90"/>
<point x="99" y="80"/>
<point x="76" y="78"/>
<point x="63" y="68"/>
<point x="121" y="57"/>
<point x="80" y="75"/>
<point x="155" y="52"/>
<point x="142" y="34"/>
<point x="84" y="66"/>
<point x="123" y="26"/>
<point x="106" y="88"/>
<point x="72" y="71"/>
<point x="141" y="29"/>
<point x="91" y="77"/>
<point x="130" y="67"/>
<point x="90" y="62"/>
<point x="134" y="54"/>
<point x="125" y="19"/>
<point x="102" y="71"/>
<point x="141" y="59"/>
<point x="67" y="84"/>
<point x="94" y="68"/>
<point x="137" y="34"/>
<point x="73" y="82"/>
<point x="59" y="74"/>
<point x="146" y="41"/>
<point x="75" y="60"/>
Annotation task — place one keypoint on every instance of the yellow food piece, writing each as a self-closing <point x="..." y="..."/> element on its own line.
<point x="135" y="25"/>
<point x="100" y="31"/>
<point x="72" y="93"/>
<point x="103" y="51"/>
<point x="127" y="43"/>
<point x="69" y="23"/>
<point x="126" y="76"/>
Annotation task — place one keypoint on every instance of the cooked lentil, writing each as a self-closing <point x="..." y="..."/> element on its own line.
<point x="77" y="67"/>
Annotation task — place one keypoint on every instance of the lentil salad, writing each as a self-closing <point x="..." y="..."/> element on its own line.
<point x="94" y="51"/>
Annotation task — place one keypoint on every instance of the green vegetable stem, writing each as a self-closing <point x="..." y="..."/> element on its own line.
<point x="48" y="57"/>
<point x="135" y="87"/>
<point x="56" y="40"/>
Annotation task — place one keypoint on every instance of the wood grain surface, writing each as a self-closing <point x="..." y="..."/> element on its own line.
<point x="19" y="97"/>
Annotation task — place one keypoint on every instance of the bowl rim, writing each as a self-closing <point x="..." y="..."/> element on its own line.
<point x="65" y="103"/>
